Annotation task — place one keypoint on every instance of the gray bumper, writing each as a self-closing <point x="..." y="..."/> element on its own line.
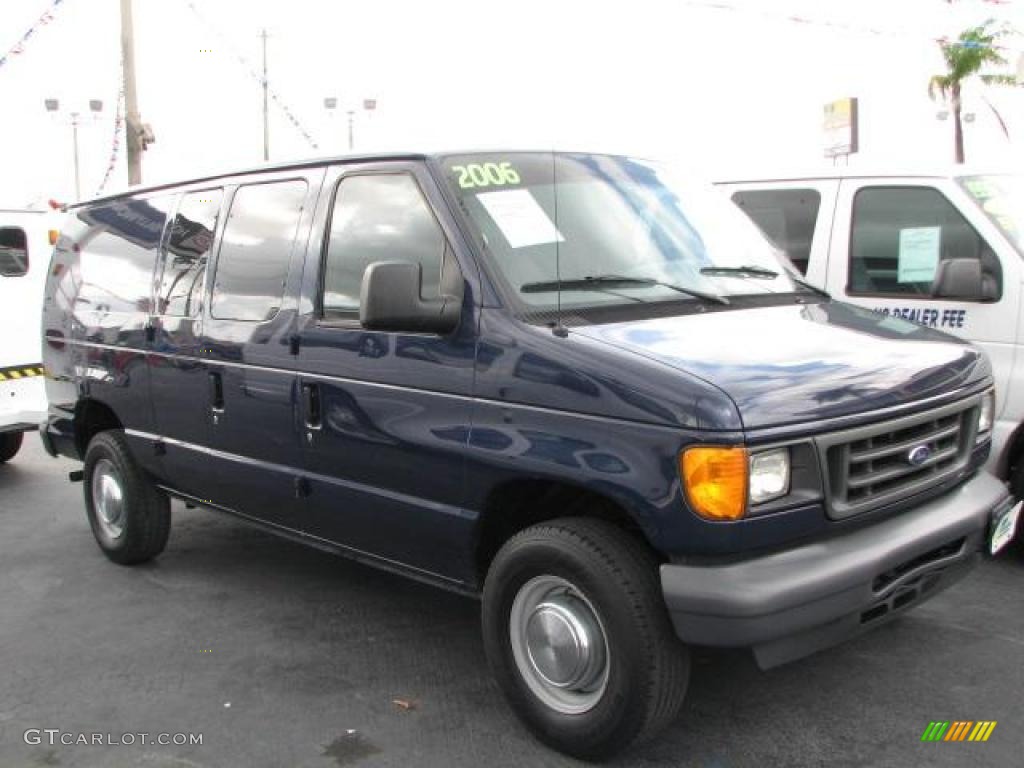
<point x="792" y="603"/>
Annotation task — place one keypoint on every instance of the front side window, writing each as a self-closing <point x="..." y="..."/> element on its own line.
<point x="902" y="235"/>
<point x="381" y="217"/>
<point x="587" y="231"/>
<point x="188" y="249"/>
<point x="256" y="249"/>
<point x="787" y="218"/>
<point x="13" y="252"/>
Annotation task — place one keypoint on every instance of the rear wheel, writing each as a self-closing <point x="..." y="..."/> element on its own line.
<point x="578" y="637"/>
<point x="10" y="444"/>
<point x="130" y="517"/>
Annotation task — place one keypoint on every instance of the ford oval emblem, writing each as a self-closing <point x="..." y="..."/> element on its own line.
<point x="918" y="455"/>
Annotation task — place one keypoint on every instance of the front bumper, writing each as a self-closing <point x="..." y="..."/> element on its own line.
<point x="792" y="603"/>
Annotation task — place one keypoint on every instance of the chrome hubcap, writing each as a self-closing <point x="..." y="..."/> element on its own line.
<point x="559" y="644"/>
<point x="108" y="498"/>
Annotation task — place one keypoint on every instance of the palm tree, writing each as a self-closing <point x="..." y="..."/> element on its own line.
<point x="974" y="50"/>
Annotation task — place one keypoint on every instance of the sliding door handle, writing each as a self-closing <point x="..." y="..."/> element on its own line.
<point x="311" y="410"/>
<point x="216" y="391"/>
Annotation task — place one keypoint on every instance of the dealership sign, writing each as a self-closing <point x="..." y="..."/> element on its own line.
<point x="840" y="127"/>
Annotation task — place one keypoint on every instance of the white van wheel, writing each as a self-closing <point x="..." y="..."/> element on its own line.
<point x="10" y="444"/>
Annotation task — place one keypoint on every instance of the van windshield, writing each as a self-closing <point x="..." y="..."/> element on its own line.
<point x="608" y="230"/>
<point x="1002" y="200"/>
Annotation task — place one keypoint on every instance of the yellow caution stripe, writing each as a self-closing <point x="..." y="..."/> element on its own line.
<point x="15" y="372"/>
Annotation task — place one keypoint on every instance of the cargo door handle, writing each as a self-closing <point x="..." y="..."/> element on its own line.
<point x="311" y="406"/>
<point x="216" y="391"/>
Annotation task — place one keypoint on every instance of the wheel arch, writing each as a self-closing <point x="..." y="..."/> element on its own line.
<point x="518" y="503"/>
<point x="92" y="417"/>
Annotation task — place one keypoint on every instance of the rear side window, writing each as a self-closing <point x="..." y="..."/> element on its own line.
<point x="378" y="218"/>
<point x="900" y="236"/>
<point x="786" y="216"/>
<point x="118" y="253"/>
<point x="13" y="252"/>
<point x="188" y="249"/>
<point x="256" y="249"/>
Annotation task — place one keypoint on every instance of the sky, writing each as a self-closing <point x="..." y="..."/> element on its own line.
<point x="727" y="88"/>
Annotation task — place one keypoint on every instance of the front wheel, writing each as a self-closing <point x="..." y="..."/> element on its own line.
<point x="10" y="444"/>
<point x="578" y="637"/>
<point x="130" y="517"/>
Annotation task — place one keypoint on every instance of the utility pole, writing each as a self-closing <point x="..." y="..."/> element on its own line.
<point x="74" y="138"/>
<point x="266" y="119"/>
<point x="133" y="123"/>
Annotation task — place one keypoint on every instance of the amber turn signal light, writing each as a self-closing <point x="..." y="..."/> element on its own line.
<point x="715" y="479"/>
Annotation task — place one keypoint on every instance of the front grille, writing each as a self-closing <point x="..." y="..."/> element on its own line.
<point x="885" y="462"/>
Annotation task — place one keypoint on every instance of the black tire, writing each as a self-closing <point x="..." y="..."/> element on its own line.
<point x="617" y="575"/>
<point x="146" y="521"/>
<point x="10" y="444"/>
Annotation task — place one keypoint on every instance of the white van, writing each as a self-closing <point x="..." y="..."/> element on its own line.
<point x="942" y="250"/>
<point x="25" y="246"/>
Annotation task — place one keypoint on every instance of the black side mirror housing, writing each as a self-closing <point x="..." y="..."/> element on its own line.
<point x="959" y="278"/>
<point x="390" y="300"/>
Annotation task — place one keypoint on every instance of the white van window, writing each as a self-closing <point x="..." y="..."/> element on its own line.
<point x="899" y="238"/>
<point x="786" y="216"/>
<point x="188" y="248"/>
<point x="256" y="249"/>
<point x="13" y="252"/>
<point x="378" y="218"/>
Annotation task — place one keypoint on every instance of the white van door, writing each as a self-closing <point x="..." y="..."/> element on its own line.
<point x="892" y="244"/>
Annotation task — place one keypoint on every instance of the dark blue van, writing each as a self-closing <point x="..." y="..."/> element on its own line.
<point x="574" y="385"/>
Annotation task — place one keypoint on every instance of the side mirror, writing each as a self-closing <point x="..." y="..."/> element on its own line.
<point x="390" y="300"/>
<point x="960" y="279"/>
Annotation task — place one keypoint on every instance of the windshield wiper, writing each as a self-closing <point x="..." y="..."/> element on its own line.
<point x="752" y="271"/>
<point x="591" y="282"/>
<point x="746" y="271"/>
<point x="809" y="286"/>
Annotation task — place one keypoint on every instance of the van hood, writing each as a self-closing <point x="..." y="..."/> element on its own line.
<point x="782" y="365"/>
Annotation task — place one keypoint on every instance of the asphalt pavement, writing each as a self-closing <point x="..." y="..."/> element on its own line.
<point x="280" y="655"/>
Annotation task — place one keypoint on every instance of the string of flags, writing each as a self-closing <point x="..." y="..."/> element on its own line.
<point x="42" y="21"/>
<point x="724" y="5"/>
<point x="115" y="149"/>
<point x="256" y="76"/>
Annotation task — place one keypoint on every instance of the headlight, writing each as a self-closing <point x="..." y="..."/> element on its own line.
<point x="715" y="479"/>
<point x="769" y="475"/>
<point x="986" y="414"/>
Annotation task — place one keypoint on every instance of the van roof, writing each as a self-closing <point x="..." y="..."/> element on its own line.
<point x="862" y="172"/>
<point x="262" y="168"/>
<point x="310" y="163"/>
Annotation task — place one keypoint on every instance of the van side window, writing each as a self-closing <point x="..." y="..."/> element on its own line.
<point x="188" y="249"/>
<point x="256" y="249"/>
<point x="902" y="235"/>
<point x="378" y="218"/>
<point x="119" y="253"/>
<point x="13" y="252"/>
<point x="786" y="216"/>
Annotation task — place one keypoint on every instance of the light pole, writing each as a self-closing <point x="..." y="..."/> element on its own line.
<point x="95" y="107"/>
<point x="331" y="104"/>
